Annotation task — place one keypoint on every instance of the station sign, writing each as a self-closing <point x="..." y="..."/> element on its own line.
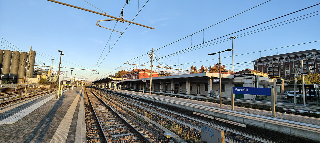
<point x="215" y="80"/>
<point x="252" y="90"/>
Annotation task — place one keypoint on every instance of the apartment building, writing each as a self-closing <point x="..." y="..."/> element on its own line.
<point x="283" y="65"/>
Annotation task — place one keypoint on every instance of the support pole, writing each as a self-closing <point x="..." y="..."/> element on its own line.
<point x="303" y="88"/>
<point x="232" y="100"/>
<point x="273" y="97"/>
<point x="295" y="86"/>
<point x="59" y="78"/>
<point x="143" y="88"/>
<point x="151" y="71"/>
<point x="220" y="80"/>
<point x="59" y="88"/>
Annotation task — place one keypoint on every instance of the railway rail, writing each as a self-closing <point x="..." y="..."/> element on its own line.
<point x="20" y="98"/>
<point x="188" y="123"/>
<point x="94" y="131"/>
<point x="233" y="133"/>
<point x="112" y="126"/>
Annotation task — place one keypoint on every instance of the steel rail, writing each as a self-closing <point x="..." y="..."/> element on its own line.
<point x="234" y="131"/>
<point x="103" y="14"/>
<point x="131" y="128"/>
<point x="97" y="119"/>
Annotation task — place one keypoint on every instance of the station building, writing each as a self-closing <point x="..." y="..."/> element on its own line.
<point x="200" y="84"/>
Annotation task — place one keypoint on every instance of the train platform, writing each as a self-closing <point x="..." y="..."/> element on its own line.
<point x="45" y="119"/>
<point x="302" y="126"/>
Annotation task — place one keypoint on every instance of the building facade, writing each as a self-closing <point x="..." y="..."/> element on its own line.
<point x="140" y="73"/>
<point x="283" y="65"/>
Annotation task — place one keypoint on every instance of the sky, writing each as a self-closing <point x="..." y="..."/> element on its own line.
<point x="49" y="27"/>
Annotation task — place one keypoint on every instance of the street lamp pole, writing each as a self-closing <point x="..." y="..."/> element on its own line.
<point x="71" y="81"/>
<point x="59" y="73"/>
<point x="51" y="68"/>
<point x="232" y="37"/>
<point x="220" y="73"/>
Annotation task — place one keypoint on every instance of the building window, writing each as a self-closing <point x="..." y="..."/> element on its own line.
<point x="190" y="88"/>
<point x="206" y="87"/>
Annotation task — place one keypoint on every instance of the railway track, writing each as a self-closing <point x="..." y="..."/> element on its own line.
<point x="21" y="98"/>
<point x="93" y="129"/>
<point x="233" y="133"/>
<point x="188" y="123"/>
<point x="111" y="126"/>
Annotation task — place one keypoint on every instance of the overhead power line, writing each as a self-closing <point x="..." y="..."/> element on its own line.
<point x="254" y="52"/>
<point x="203" y="29"/>
<point x="209" y="43"/>
<point x="302" y="17"/>
<point x="108" y="39"/>
<point x="122" y="34"/>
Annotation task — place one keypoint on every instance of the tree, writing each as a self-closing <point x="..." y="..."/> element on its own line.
<point x="43" y="80"/>
<point x="312" y="78"/>
<point x="215" y="68"/>
<point x="201" y="70"/>
<point x="119" y="74"/>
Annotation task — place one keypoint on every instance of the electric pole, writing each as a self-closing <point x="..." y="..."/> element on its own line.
<point x="151" y="56"/>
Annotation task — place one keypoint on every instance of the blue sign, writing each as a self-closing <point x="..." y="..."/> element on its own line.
<point x="215" y="80"/>
<point x="252" y="90"/>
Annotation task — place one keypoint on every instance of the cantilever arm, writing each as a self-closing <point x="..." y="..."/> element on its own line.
<point x="116" y="18"/>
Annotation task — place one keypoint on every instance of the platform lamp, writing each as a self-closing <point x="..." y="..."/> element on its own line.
<point x="61" y="54"/>
<point x="220" y="72"/>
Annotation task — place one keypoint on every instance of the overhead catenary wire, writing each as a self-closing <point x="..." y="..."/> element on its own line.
<point x="123" y="33"/>
<point x="248" y="53"/>
<point x="204" y="29"/>
<point x="281" y="23"/>
<point x="255" y="31"/>
<point x="109" y="39"/>
<point x="94" y="6"/>
<point x="209" y="43"/>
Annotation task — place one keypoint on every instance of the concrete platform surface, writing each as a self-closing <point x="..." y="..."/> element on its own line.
<point x="43" y="123"/>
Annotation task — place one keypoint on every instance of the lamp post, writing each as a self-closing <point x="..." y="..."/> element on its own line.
<point x="71" y="80"/>
<point x="61" y="54"/>
<point x="220" y="73"/>
<point x="51" y="68"/>
<point x="232" y="37"/>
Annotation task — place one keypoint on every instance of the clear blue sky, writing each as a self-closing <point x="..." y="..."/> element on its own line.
<point x="49" y="27"/>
